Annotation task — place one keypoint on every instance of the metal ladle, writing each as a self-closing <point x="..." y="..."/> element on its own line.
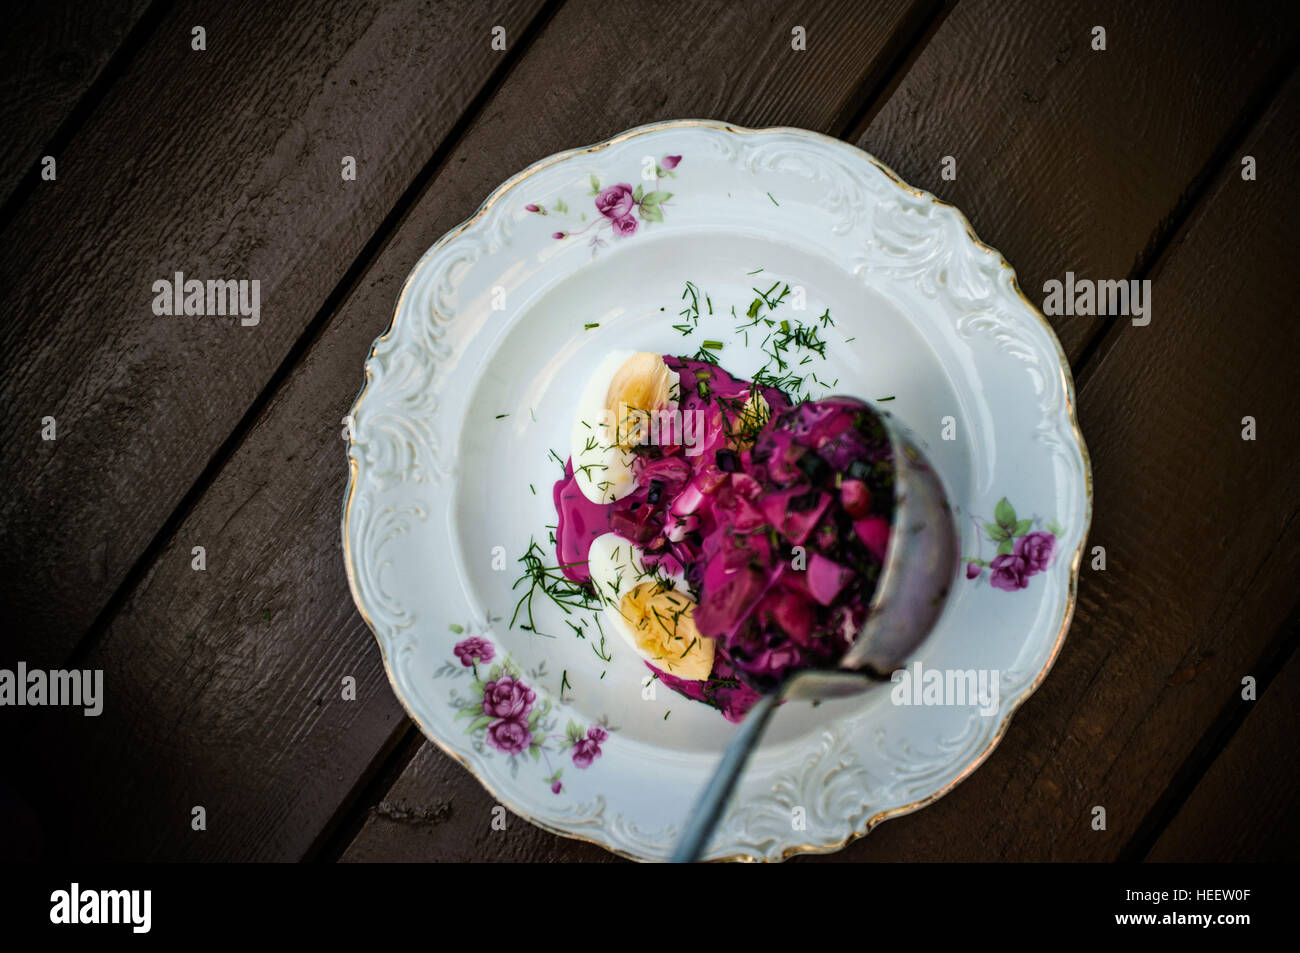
<point x="919" y="569"/>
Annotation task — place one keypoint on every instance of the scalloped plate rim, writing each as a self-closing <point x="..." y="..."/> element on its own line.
<point x="866" y="826"/>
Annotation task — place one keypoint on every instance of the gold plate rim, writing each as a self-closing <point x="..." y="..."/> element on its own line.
<point x="1071" y="404"/>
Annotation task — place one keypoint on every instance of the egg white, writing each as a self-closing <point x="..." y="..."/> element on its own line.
<point x="616" y="569"/>
<point x="603" y="470"/>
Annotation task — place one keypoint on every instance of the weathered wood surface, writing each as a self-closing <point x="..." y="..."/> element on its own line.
<point x="225" y="163"/>
<point x="54" y="55"/>
<point x="1098" y="210"/>
<point x="1073" y="159"/>
<point x="182" y="432"/>
<point x="1201" y="538"/>
<point x="1247" y="806"/>
<point x="250" y="707"/>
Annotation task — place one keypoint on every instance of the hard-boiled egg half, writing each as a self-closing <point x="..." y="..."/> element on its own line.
<point x="653" y="612"/>
<point x="624" y="390"/>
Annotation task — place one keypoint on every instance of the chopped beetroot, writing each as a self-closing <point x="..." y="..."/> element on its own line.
<point x="729" y="603"/>
<point x="781" y="541"/>
<point x="746" y="486"/>
<point x="723" y="689"/>
<point x="791" y="612"/>
<point x="639" y="524"/>
<point x="826" y="578"/>
<point x="734" y="510"/>
<point x="855" y="498"/>
<point x="796" y="512"/>
<point x="672" y="472"/>
<point x="874" y="533"/>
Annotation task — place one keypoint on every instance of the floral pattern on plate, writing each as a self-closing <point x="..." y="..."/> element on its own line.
<point x="619" y="206"/>
<point x="504" y="714"/>
<point x="1022" y="551"/>
<point x="420" y="492"/>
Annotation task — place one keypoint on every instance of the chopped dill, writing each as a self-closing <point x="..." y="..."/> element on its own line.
<point x="600" y="651"/>
<point x="706" y="355"/>
<point x="551" y="582"/>
<point x="692" y="310"/>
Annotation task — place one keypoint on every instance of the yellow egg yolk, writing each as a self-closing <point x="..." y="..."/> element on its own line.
<point x="664" y="626"/>
<point x="641" y="386"/>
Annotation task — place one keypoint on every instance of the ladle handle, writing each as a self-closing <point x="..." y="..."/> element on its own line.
<point x="709" y="807"/>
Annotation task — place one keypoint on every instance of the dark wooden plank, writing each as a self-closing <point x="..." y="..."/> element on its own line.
<point x="1070" y="158"/>
<point x="220" y="164"/>
<point x="438" y="811"/>
<point x="1201" y="535"/>
<point x="1006" y="86"/>
<point x="1247" y="806"/>
<point x="52" y="54"/>
<point x="213" y="704"/>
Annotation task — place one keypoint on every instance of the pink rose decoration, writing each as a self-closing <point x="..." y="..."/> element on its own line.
<point x="510" y="735"/>
<point x="1036" y="549"/>
<point x="587" y="750"/>
<point x="507" y="698"/>
<point x="1009" y="573"/>
<point x="556" y="787"/>
<point x="625" y="226"/>
<point x="474" y="649"/>
<point x="668" y="163"/>
<point x="972" y="570"/>
<point x="615" y="202"/>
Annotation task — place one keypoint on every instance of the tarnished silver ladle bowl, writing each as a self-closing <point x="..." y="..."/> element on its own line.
<point x="920" y="566"/>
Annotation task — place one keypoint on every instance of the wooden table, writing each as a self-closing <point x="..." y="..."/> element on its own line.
<point x="1119" y="163"/>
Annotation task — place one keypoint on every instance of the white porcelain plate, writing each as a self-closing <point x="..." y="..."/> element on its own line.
<point x="476" y="380"/>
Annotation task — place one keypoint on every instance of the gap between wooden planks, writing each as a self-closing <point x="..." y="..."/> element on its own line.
<point x="917" y="118"/>
<point x="1100" y="252"/>
<point x="221" y="164"/>
<point x="59" y="56"/>
<point x="1202" y="545"/>
<point x="189" y="647"/>
<point x="1245" y="807"/>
